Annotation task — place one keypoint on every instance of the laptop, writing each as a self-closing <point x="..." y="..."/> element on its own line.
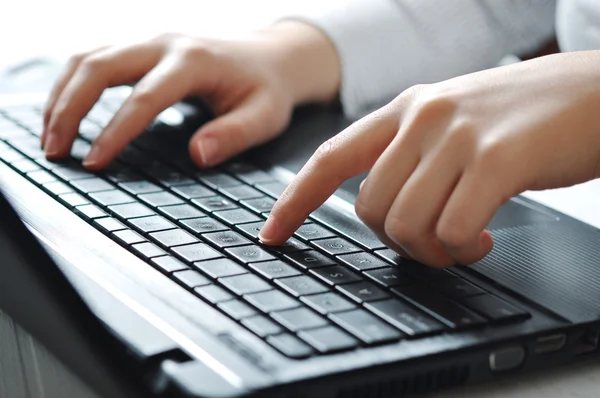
<point x="147" y="279"/>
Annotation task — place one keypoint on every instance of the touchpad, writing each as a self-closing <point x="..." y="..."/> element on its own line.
<point x="515" y="213"/>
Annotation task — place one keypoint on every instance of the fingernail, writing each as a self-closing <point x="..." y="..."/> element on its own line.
<point x="208" y="150"/>
<point x="92" y="157"/>
<point x="52" y="145"/>
<point x="269" y="230"/>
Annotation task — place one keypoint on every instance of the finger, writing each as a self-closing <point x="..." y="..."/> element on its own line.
<point x="251" y="123"/>
<point x="351" y="152"/>
<point x="163" y="86"/>
<point x="111" y="67"/>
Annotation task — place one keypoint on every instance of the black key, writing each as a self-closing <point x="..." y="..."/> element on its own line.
<point x="310" y="259"/>
<point x="251" y="230"/>
<point x="405" y="317"/>
<point x="89" y="185"/>
<point x="118" y="173"/>
<point x="327" y="303"/>
<point x="137" y="158"/>
<point x="191" y="278"/>
<point x="109" y="198"/>
<point x="197" y="252"/>
<point x="290" y="246"/>
<point x="226" y="239"/>
<point x="72" y="173"/>
<point x="328" y="339"/>
<point x="220" y="267"/>
<point x="336" y="275"/>
<point x="250" y="254"/>
<point x="259" y="205"/>
<point x="57" y="187"/>
<point x="440" y="307"/>
<point x="290" y="346"/>
<point x="41" y="176"/>
<point x="241" y="192"/>
<point x="148" y="250"/>
<point x="459" y="288"/>
<point x="334" y="246"/>
<point x="494" y="308"/>
<point x="301" y="285"/>
<point x="245" y="284"/>
<point x="389" y="277"/>
<point x="299" y="319"/>
<point x="237" y="309"/>
<point x="25" y="165"/>
<point x="90" y="212"/>
<point x="366" y="326"/>
<point x="237" y="216"/>
<point x="248" y="173"/>
<point x="181" y="212"/>
<point x="169" y="177"/>
<point x="131" y="210"/>
<point x="362" y="261"/>
<point x="204" y="225"/>
<point x="274" y="188"/>
<point x="193" y="191"/>
<point x="309" y="232"/>
<point x="152" y="224"/>
<point x="128" y="237"/>
<point x="173" y="237"/>
<point x="262" y="326"/>
<point x="109" y="224"/>
<point x="272" y="300"/>
<point x="274" y="269"/>
<point x="363" y="292"/>
<point x="169" y="264"/>
<point x="73" y="199"/>
<point x="219" y="180"/>
<point x="157" y="199"/>
<point x="214" y="203"/>
<point x="391" y="256"/>
<point x="213" y="294"/>
<point x="140" y="187"/>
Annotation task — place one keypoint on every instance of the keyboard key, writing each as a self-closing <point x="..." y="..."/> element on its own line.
<point x="458" y="288"/>
<point x="336" y="275"/>
<point x="29" y="145"/>
<point x="272" y="300"/>
<point x="204" y="225"/>
<point x="109" y="224"/>
<point x="71" y="173"/>
<point x="73" y="199"/>
<point x="169" y="177"/>
<point x="494" y="308"/>
<point x="262" y="326"/>
<point x="328" y="339"/>
<point x="250" y="254"/>
<point x="237" y="216"/>
<point x="290" y="246"/>
<point x="157" y="199"/>
<point x="241" y="192"/>
<point x="290" y="346"/>
<point x="119" y="173"/>
<point x="193" y="191"/>
<point x="131" y="210"/>
<point x="308" y="232"/>
<point x="259" y="205"/>
<point x="219" y="180"/>
<point x="309" y="259"/>
<point x="406" y="318"/>
<point x="90" y="211"/>
<point x="128" y="237"/>
<point x="334" y="246"/>
<point x="327" y="303"/>
<point x="213" y="294"/>
<point x="25" y="165"/>
<point x="169" y="264"/>
<point x="41" y="176"/>
<point x="251" y="230"/>
<point x="299" y="319"/>
<point x="245" y="284"/>
<point x="11" y="156"/>
<point x="301" y="285"/>
<point x="57" y="187"/>
<point x="89" y="185"/>
<point x="426" y="274"/>
<point x="173" y="237"/>
<point x="152" y="224"/>
<point x="391" y="256"/>
<point x="274" y="188"/>
<point x="148" y="250"/>
<point x="226" y="239"/>
<point x="197" y="252"/>
<point x="365" y="326"/>
<point x="248" y="173"/>
<point x="363" y="292"/>
<point x="181" y="212"/>
<point x="220" y="267"/>
<point x="191" y="278"/>
<point x="109" y="198"/>
<point x="237" y="309"/>
<point x="440" y="307"/>
<point x="214" y="203"/>
<point x="139" y="187"/>
<point x="80" y="149"/>
<point x="274" y="269"/>
<point x="389" y="277"/>
<point x="362" y="261"/>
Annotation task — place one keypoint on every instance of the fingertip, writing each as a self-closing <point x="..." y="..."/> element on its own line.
<point x="269" y="231"/>
<point x="93" y="160"/>
<point x="487" y="242"/>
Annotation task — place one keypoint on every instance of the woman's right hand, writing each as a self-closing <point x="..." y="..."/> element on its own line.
<point x="252" y="85"/>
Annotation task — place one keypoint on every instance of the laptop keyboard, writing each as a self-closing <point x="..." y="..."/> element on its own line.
<point x="321" y="292"/>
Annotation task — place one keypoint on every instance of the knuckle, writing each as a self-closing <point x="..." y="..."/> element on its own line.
<point x="398" y="230"/>
<point x="452" y="234"/>
<point x="95" y="63"/>
<point x="76" y="59"/>
<point x="366" y="213"/>
<point x="490" y="155"/>
<point x="434" y="104"/>
<point x="167" y="37"/>
<point x="326" y="152"/>
<point x="143" y="97"/>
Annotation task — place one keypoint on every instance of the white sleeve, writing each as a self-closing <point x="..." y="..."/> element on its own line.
<point x="386" y="46"/>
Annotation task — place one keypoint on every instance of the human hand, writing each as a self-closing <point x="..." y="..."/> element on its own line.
<point x="251" y="84"/>
<point x="444" y="157"/>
